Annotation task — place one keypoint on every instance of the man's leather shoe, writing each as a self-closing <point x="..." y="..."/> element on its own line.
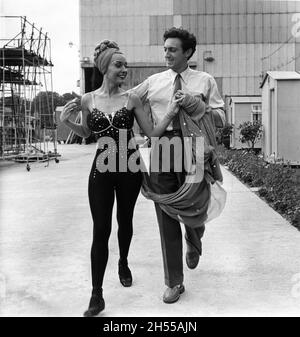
<point x="192" y="254"/>
<point x="172" y="295"/>
<point x="125" y="275"/>
<point x="192" y="259"/>
<point x="96" y="305"/>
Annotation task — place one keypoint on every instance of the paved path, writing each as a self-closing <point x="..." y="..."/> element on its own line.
<point x="250" y="264"/>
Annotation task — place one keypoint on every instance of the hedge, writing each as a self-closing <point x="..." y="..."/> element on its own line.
<point x="279" y="184"/>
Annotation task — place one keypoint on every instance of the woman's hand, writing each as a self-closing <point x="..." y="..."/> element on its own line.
<point x="71" y="108"/>
<point x="183" y="97"/>
<point x="180" y="95"/>
<point x="174" y="106"/>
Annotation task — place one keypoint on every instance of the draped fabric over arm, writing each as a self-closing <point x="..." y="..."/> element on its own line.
<point x="202" y="116"/>
<point x="201" y="198"/>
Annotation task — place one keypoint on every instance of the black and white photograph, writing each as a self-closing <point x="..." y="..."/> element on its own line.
<point x="150" y="161"/>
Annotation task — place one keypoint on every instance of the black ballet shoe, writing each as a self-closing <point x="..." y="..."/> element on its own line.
<point x="125" y="275"/>
<point x="96" y="305"/>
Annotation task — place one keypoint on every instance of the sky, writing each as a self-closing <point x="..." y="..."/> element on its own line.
<point x="60" y="18"/>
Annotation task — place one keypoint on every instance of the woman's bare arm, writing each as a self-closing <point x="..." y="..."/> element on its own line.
<point x="70" y="108"/>
<point x="144" y="121"/>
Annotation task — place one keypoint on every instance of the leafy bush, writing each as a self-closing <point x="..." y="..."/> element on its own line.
<point x="279" y="184"/>
<point x="250" y="132"/>
<point x="223" y="134"/>
<point x="245" y="164"/>
<point x="282" y="190"/>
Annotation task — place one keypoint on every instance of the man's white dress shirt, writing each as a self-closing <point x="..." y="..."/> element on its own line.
<point x="158" y="90"/>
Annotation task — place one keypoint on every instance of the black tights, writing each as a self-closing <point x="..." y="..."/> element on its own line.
<point x="102" y="190"/>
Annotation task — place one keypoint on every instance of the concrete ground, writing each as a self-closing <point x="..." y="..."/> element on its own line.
<point x="250" y="264"/>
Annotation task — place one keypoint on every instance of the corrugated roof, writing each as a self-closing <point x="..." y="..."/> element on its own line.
<point x="281" y="75"/>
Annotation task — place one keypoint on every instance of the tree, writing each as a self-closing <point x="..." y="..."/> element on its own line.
<point x="223" y="134"/>
<point x="250" y="132"/>
<point x="44" y="97"/>
<point x="68" y="97"/>
<point x="44" y="105"/>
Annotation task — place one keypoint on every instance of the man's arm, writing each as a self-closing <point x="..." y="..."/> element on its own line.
<point x="141" y="91"/>
<point x="211" y="103"/>
<point x="215" y="101"/>
<point x="219" y="117"/>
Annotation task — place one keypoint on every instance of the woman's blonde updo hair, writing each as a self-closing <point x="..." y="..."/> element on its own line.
<point x="103" y="54"/>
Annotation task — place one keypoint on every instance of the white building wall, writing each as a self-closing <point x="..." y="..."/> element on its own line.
<point x="265" y="110"/>
<point x="288" y="120"/>
<point x="241" y="34"/>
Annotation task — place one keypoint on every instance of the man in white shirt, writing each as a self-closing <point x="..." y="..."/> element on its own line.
<point x="157" y="91"/>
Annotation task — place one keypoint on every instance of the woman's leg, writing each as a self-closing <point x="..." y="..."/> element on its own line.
<point x="101" y="198"/>
<point x="127" y="190"/>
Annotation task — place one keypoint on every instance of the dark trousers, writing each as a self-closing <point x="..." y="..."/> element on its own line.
<point x="103" y="188"/>
<point x="170" y="229"/>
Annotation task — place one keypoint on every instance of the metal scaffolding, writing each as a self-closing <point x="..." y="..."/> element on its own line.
<point x="27" y="111"/>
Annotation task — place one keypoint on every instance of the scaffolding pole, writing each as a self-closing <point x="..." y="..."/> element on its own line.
<point x="27" y="112"/>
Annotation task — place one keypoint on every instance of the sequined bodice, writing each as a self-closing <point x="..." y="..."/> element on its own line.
<point x="117" y="126"/>
<point x="109" y="124"/>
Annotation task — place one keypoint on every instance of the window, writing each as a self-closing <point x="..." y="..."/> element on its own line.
<point x="256" y="112"/>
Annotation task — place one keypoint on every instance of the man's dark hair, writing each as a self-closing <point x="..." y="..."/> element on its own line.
<point x="188" y="40"/>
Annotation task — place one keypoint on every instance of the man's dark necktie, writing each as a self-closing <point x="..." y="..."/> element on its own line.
<point x="177" y="86"/>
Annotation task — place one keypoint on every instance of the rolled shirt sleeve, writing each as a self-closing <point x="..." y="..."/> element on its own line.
<point x="142" y="90"/>
<point x="215" y="101"/>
